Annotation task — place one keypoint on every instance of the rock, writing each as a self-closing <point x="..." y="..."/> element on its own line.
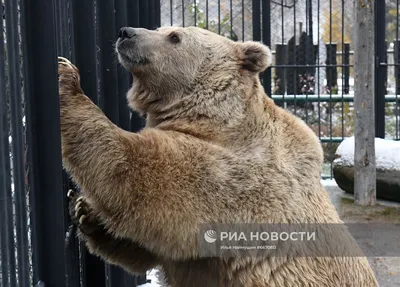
<point x="387" y="153"/>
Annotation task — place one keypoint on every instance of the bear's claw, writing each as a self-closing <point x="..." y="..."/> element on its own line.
<point x="82" y="214"/>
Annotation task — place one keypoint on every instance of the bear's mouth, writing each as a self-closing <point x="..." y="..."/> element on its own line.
<point x="128" y="56"/>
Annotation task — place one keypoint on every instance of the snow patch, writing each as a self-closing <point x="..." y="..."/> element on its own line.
<point x="328" y="182"/>
<point x="387" y="153"/>
<point x="154" y="276"/>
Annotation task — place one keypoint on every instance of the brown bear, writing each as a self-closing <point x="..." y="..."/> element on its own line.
<point x="215" y="149"/>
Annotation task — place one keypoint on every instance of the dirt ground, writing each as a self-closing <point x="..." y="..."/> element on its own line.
<point x="387" y="269"/>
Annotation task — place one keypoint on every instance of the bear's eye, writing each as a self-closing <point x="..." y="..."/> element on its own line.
<point x="174" y="38"/>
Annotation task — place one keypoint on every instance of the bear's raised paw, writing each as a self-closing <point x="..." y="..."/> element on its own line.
<point x="68" y="77"/>
<point x="82" y="214"/>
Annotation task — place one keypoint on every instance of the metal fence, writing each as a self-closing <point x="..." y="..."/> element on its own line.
<point x="311" y="76"/>
<point x="33" y="204"/>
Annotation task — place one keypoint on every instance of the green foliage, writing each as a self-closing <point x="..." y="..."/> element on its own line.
<point x="201" y="21"/>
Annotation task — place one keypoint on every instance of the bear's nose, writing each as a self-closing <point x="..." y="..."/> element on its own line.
<point x="126" y="32"/>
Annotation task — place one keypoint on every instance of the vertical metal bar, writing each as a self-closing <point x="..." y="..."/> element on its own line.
<point x="195" y="12"/>
<point x="133" y="9"/>
<point x="380" y="88"/>
<point x="295" y="76"/>
<point x="65" y="47"/>
<point x="207" y="14"/>
<point x="318" y="70"/>
<point x="242" y="20"/>
<point x="71" y="42"/>
<point x="121" y="20"/>
<point x="171" y="15"/>
<point x="64" y="43"/>
<point x="134" y="12"/>
<point x="219" y="17"/>
<point x="93" y="272"/>
<point x="108" y="87"/>
<point x="108" y="67"/>
<point x="183" y="13"/>
<point x="150" y="14"/>
<point x="343" y="68"/>
<point x="396" y="105"/>
<point x="144" y="12"/>
<point x="8" y="266"/>
<point x="85" y="46"/>
<point x="256" y="20"/>
<point x="157" y="13"/>
<point x="231" y="19"/>
<point x="266" y="30"/>
<point x="43" y="129"/>
<point x="21" y="219"/>
<point x="346" y="68"/>
<point x="330" y="57"/>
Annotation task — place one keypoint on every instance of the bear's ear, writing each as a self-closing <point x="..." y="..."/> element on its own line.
<point x="256" y="56"/>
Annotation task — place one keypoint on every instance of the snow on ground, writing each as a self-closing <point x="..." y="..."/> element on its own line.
<point x="153" y="276"/>
<point x="387" y="153"/>
<point x="328" y="182"/>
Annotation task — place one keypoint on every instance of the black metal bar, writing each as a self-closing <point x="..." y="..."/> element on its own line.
<point x="397" y="113"/>
<point x="133" y="9"/>
<point x="346" y="62"/>
<point x="256" y="20"/>
<point x="144" y="12"/>
<point x="207" y="14"/>
<point x="295" y="74"/>
<point x="93" y="269"/>
<point x="171" y="14"/>
<point x="195" y="12"/>
<point x="331" y="62"/>
<point x="318" y="70"/>
<point x="231" y="19"/>
<point x="65" y="47"/>
<point x="85" y="46"/>
<point x="266" y="31"/>
<point x="134" y="12"/>
<point x="330" y="73"/>
<point x="380" y="52"/>
<point x="8" y="265"/>
<point x="43" y="129"/>
<point x="150" y="14"/>
<point x="108" y="67"/>
<point x="14" y="76"/>
<point x="121" y="20"/>
<point x="157" y="13"/>
<point x="64" y="33"/>
<point x="242" y="19"/>
<point x="183" y="13"/>
<point x="219" y="17"/>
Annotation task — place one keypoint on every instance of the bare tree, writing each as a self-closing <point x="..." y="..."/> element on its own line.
<point x="364" y="125"/>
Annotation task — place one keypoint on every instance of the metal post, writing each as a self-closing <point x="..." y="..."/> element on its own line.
<point x="108" y="66"/>
<point x="93" y="268"/>
<point x="134" y="20"/>
<point x="8" y="265"/>
<point x="43" y="128"/>
<point x="121" y="20"/>
<point x="380" y="82"/>
<point x="256" y="20"/>
<point x="14" y="76"/>
<point x="266" y="22"/>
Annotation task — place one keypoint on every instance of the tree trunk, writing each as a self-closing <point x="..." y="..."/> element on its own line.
<point x="364" y="125"/>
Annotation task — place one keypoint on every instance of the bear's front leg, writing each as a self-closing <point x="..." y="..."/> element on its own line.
<point x="100" y="242"/>
<point x="123" y="174"/>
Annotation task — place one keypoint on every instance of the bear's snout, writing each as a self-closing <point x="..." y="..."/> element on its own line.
<point x="126" y="33"/>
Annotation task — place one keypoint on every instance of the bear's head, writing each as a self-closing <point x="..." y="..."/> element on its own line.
<point x="172" y="64"/>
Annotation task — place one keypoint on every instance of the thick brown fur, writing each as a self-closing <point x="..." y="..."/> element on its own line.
<point x="215" y="149"/>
